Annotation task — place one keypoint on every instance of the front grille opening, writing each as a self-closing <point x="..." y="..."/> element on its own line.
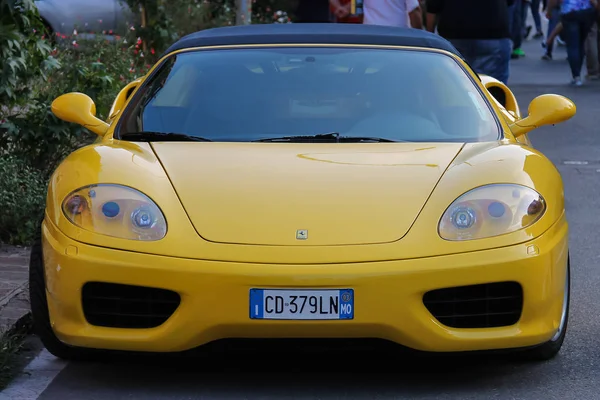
<point x="477" y="306"/>
<point x="126" y="306"/>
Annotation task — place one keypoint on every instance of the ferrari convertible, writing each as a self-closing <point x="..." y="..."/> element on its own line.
<point x="306" y="181"/>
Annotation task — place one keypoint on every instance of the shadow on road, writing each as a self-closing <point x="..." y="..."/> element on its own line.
<point x="300" y="368"/>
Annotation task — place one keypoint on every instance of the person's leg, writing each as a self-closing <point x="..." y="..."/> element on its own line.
<point x="598" y="39"/>
<point x="492" y="57"/>
<point x="535" y="12"/>
<point x="591" y="52"/>
<point x="587" y="20"/>
<point x="524" y="10"/>
<point x="572" y="31"/>
<point x="553" y="33"/>
<point x="511" y="18"/>
<point x="517" y="29"/>
<point x="560" y="39"/>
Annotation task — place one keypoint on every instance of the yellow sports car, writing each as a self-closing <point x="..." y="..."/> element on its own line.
<point x="306" y="181"/>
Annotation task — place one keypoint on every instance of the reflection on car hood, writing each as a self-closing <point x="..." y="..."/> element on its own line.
<point x="341" y="194"/>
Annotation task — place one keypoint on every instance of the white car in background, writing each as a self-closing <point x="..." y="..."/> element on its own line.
<point x="86" y="16"/>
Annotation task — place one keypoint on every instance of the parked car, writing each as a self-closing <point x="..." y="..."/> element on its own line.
<point x="87" y="16"/>
<point x="306" y="181"/>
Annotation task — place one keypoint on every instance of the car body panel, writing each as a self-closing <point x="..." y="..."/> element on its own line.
<point x="388" y="296"/>
<point x="509" y="107"/>
<point x="237" y="193"/>
<point x="261" y="194"/>
<point x="136" y="164"/>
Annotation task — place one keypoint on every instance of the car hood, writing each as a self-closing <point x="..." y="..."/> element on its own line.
<point x="290" y="194"/>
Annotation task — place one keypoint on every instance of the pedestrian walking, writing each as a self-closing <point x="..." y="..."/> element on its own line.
<point x="318" y="11"/>
<point x="577" y="17"/>
<point x="537" y="19"/>
<point x="480" y="31"/>
<point x="517" y="12"/>
<point x="400" y="13"/>
<point x="553" y="34"/>
<point x="592" y="48"/>
<point x="554" y="29"/>
<point x="339" y="11"/>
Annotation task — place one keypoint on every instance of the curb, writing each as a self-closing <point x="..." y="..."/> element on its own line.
<point x="6" y="299"/>
<point x="23" y="325"/>
<point x="15" y="311"/>
<point x="15" y="314"/>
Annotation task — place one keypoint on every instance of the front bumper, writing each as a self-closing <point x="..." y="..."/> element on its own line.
<point x="388" y="296"/>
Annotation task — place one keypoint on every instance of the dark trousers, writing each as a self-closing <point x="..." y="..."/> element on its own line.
<point x="517" y="15"/>
<point x="554" y="20"/>
<point x="576" y="27"/>
<point x="490" y="57"/>
<point x="535" y="12"/>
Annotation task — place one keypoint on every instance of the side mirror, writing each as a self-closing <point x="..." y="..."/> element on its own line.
<point x="80" y="109"/>
<point x="547" y="109"/>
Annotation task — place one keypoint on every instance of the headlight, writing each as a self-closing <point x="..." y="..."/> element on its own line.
<point x="491" y="210"/>
<point x="117" y="211"/>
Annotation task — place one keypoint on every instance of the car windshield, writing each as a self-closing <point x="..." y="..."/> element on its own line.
<point x="260" y="94"/>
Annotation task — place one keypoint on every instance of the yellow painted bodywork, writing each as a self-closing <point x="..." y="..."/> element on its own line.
<point x="79" y="109"/>
<point x="372" y="213"/>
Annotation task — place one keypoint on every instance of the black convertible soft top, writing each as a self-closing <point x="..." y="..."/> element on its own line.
<point x="313" y="33"/>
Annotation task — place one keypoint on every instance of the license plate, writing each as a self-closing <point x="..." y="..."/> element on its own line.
<point x="301" y="304"/>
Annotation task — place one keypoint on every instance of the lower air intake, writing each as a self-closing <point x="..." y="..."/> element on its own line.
<point x="478" y="306"/>
<point x="126" y="306"/>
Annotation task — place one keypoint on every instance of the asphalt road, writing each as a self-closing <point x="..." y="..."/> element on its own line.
<point x="326" y="374"/>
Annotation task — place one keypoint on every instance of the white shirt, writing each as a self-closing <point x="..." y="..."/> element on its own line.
<point x="389" y="12"/>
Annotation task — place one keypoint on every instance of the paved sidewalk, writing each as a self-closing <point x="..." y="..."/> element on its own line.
<point x="14" y="296"/>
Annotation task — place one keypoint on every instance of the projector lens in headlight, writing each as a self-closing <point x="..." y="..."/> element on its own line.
<point x="116" y="211"/>
<point x="491" y="210"/>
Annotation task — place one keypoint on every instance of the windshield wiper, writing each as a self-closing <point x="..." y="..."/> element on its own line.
<point x="148" y="136"/>
<point x="325" y="137"/>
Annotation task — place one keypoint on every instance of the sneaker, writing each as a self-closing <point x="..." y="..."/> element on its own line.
<point x="518" y="52"/>
<point x="560" y="42"/>
<point x="538" y="35"/>
<point x="547" y="57"/>
<point x="576" y="82"/>
<point x="527" y="31"/>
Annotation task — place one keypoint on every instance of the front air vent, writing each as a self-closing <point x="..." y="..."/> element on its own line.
<point x="126" y="306"/>
<point x="478" y="306"/>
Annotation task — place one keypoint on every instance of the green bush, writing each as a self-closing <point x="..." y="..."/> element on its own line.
<point x="98" y="68"/>
<point x="35" y="141"/>
<point x="22" y="200"/>
<point x="23" y="51"/>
